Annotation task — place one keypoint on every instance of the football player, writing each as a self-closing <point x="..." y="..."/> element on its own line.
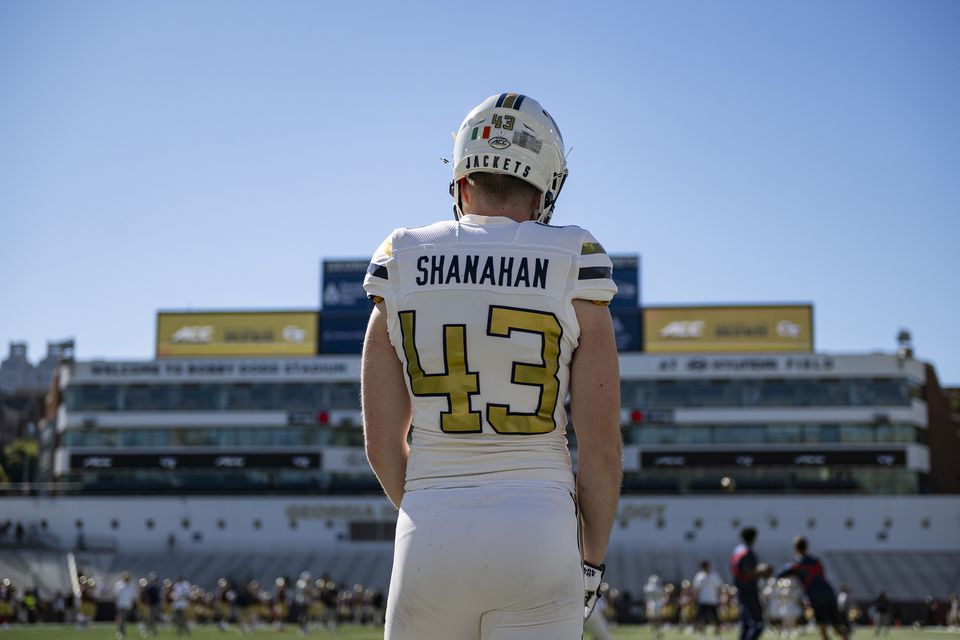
<point x="809" y="572"/>
<point x="655" y="600"/>
<point x="706" y="587"/>
<point x="746" y="572"/>
<point x="482" y="325"/>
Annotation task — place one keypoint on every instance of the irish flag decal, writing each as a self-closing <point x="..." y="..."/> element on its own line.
<point x="480" y="132"/>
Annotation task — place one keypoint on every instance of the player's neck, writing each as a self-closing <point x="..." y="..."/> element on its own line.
<point x="513" y="214"/>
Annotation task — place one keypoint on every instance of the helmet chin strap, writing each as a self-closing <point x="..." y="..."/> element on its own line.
<point x="549" y="199"/>
<point x="457" y="200"/>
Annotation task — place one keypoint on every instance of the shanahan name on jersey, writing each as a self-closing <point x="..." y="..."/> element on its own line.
<point x="502" y="271"/>
<point x="480" y="312"/>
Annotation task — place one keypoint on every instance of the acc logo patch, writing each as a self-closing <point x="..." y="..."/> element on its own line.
<point x="499" y="142"/>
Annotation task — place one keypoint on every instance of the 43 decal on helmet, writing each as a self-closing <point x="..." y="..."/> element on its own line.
<point x="502" y="122"/>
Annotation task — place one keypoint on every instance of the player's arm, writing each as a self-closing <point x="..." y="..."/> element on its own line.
<point x="595" y="408"/>
<point x="386" y="407"/>
<point x="787" y="570"/>
<point x="753" y="571"/>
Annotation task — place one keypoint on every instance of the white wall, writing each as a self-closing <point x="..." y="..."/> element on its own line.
<point x="325" y="521"/>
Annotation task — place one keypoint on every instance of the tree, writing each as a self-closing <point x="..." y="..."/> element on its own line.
<point x="21" y="455"/>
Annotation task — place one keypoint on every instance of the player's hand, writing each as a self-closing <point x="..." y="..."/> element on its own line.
<point x="764" y="570"/>
<point x="592" y="577"/>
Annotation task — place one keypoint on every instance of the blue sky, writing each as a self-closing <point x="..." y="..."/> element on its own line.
<point x="210" y="154"/>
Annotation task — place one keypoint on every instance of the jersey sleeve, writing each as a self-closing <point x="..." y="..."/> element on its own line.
<point x="593" y="272"/>
<point x="377" y="282"/>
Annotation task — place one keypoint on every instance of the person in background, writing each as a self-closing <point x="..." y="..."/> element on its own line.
<point x="278" y="605"/>
<point x="809" y="571"/>
<point x="687" y="605"/>
<point x="88" y="602"/>
<point x="180" y="594"/>
<point x="328" y="603"/>
<point x="706" y="589"/>
<point x="655" y="597"/>
<point x="789" y="603"/>
<point x="746" y="571"/>
<point x="846" y="605"/>
<point x="59" y="607"/>
<point x="152" y="599"/>
<point x="303" y="597"/>
<point x="935" y="614"/>
<point x="953" y="611"/>
<point x="223" y="603"/>
<point x="125" y="596"/>
<point x="880" y="612"/>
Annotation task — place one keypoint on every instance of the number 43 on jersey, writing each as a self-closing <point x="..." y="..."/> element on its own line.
<point x="458" y="383"/>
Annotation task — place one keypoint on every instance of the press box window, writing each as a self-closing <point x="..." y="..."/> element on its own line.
<point x="199" y="397"/>
<point x="142" y="397"/>
<point x="93" y="397"/>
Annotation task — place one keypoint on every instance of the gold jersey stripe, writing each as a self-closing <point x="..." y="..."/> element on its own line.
<point x="385" y="249"/>
<point x="591" y="248"/>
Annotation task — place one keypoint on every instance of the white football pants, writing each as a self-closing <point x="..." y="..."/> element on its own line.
<point x="493" y="562"/>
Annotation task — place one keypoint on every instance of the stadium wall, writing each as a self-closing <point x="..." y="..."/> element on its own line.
<point x="655" y="523"/>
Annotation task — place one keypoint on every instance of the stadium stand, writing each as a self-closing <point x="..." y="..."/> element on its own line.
<point x="45" y="570"/>
<point x="903" y="575"/>
<point x="369" y="565"/>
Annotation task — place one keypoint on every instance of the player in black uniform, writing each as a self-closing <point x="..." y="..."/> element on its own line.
<point x="746" y="572"/>
<point x="822" y="597"/>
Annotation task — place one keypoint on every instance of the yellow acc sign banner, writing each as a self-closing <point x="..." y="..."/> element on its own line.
<point x="236" y="334"/>
<point x="728" y="329"/>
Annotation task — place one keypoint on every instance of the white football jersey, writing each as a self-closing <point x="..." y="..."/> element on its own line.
<point x="480" y="313"/>
<point x="707" y="586"/>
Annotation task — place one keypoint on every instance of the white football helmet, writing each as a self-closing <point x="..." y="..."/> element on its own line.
<point x="511" y="134"/>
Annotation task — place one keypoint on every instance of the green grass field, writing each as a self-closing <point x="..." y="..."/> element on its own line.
<point x="107" y="632"/>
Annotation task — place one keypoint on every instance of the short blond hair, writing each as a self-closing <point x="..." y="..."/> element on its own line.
<point x="500" y="189"/>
